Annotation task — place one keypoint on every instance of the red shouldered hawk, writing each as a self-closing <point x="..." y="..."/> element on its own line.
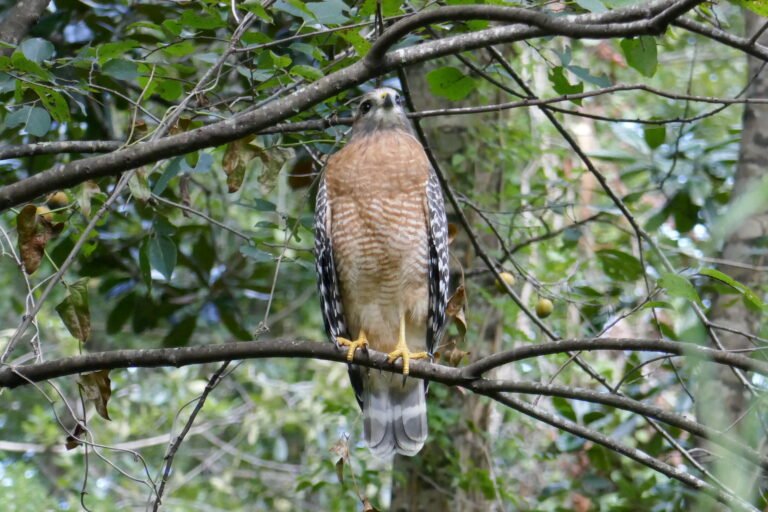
<point x="381" y="247"/>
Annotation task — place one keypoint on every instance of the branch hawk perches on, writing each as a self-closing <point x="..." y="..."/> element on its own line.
<point x="381" y="247"/>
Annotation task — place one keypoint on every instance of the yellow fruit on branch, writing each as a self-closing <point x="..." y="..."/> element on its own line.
<point x="58" y="199"/>
<point x="544" y="308"/>
<point x="45" y="212"/>
<point x="507" y="278"/>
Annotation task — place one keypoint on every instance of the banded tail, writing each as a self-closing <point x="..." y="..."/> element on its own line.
<point x="394" y="414"/>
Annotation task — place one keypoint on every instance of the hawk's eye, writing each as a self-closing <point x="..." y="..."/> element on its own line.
<point x="365" y="106"/>
<point x="399" y="99"/>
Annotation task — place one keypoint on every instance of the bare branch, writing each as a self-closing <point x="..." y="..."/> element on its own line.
<point x="14" y="376"/>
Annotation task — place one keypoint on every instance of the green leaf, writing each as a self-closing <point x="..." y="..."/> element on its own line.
<point x="388" y="7"/>
<point x="172" y="169"/>
<point x="256" y="254"/>
<point x="564" y="407"/>
<point x="169" y="90"/>
<point x="679" y="286"/>
<point x="120" y="313"/>
<point x="179" y="334"/>
<point x="280" y="61"/>
<point x="17" y="117"/>
<point x="258" y="10"/>
<point x="685" y="212"/>
<point x="208" y="21"/>
<point x="144" y="265"/>
<point x="109" y="51"/>
<point x="584" y="74"/>
<point x="162" y="255"/>
<point x="295" y="8"/>
<point x="181" y="48"/>
<point x="74" y="311"/>
<point x="619" y="265"/>
<point x="262" y="205"/>
<point x="757" y="6"/>
<point x="121" y="69"/>
<point x="230" y="317"/>
<point x="54" y="102"/>
<point x="655" y="135"/>
<point x="162" y="226"/>
<point x="38" y="122"/>
<point x="561" y="84"/>
<point x="750" y="296"/>
<point x="37" y="49"/>
<point x="23" y="64"/>
<point x="329" y="12"/>
<point x="450" y="83"/>
<point x="658" y="304"/>
<point x="7" y="83"/>
<point x="197" y="162"/>
<point x="358" y="42"/>
<point x="640" y="53"/>
<point x="308" y="72"/>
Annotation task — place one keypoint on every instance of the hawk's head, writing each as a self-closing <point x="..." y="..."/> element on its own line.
<point x="380" y="109"/>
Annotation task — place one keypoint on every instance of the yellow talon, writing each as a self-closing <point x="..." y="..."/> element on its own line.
<point x="360" y="342"/>
<point x="402" y="350"/>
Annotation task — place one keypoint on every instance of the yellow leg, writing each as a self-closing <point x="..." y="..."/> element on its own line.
<point x="360" y="342"/>
<point x="402" y="351"/>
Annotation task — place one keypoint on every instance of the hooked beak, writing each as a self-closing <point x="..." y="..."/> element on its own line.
<point x="388" y="103"/>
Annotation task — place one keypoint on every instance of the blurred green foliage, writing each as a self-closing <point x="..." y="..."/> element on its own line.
<point x="160" y="276"/>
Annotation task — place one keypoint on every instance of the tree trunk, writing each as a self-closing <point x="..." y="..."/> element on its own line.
<point x="744" y="245"/>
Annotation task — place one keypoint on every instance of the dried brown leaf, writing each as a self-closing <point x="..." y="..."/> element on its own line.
<point x="341" y="448"/>
<point x="184" y="192"/>
<point x="97" y="388"/>
<point x="75" y="312"/>
<point x="182" y="125"/>
<point x="367" y="507"/>
<point x="451" y="353"/>
<point x="453" y="230"/>
<point x="235" y="161"/>
<point x="455" y="309"/>
<point x="340" y="470"/>
<point x="34" y="230"/>
<point x="72" y="441"/>
<point x="273" y="161"/>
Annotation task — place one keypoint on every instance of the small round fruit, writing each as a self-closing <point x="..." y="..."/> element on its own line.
<point x="507" y="278"/>
<point x="544" y="308"/>
<point x="58" y="199"/>
<point x="45" y="212"/>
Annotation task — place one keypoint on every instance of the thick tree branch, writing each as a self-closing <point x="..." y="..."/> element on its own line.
<point x="67" y="146"/>
<point x="597" y="26"/>
<point x="18" y="21"/>
<point x="13" y="376"/>
<point x="651" y="19"/>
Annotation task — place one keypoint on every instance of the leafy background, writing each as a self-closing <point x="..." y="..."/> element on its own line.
<point x="215" y="246"/>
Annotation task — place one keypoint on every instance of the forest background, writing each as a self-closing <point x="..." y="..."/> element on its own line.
<point x="161" y="345"/>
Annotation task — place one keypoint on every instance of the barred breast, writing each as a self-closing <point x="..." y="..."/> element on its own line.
<point x="376" y="188"/>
